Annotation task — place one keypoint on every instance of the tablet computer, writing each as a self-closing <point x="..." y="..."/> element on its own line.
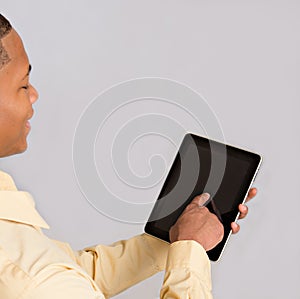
<point x="204" y="165"/>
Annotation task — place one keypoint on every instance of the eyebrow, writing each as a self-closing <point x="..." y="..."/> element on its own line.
<point x="28" y="72"/>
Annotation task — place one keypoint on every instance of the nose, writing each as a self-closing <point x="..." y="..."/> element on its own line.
<point x="33" y="94"/>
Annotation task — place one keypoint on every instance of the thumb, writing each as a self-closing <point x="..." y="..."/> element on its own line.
<point x="202" y="199"/>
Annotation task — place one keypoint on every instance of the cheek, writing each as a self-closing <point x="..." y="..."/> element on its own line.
<point x="12" y="124"/>
<point x="14" y="110"/>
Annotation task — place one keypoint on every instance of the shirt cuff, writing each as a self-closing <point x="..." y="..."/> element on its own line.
<point x="188" y="254"/>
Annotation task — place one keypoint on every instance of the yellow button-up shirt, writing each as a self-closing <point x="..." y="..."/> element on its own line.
<point x="32" y="266"/>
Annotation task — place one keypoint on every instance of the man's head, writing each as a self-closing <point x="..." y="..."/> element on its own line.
<point x="16" y="93"/>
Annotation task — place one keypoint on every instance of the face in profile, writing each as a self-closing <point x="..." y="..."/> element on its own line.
<point x="17" y="96"/>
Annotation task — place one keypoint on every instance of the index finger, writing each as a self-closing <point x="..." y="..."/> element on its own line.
<point x="251" y="194"/>
<point x="201" y="200"/>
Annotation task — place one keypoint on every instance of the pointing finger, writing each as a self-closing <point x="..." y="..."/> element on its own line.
<point x="202" y="199"/>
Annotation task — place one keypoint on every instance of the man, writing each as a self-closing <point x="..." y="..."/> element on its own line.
<point x="34" y="267"/>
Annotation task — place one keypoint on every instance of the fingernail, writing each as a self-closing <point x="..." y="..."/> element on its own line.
<point x="203" y="199"/>
<point x="205" y="196"/>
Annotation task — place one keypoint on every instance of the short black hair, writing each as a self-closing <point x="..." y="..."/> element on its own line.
<point x="5" y="28"/>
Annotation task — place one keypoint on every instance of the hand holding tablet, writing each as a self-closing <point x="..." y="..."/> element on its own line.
<point x="203" y="165"/>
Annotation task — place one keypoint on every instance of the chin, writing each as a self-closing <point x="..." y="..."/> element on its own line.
<point x="17" y="150"/>
<point x="22" y="149"/>
<point x="13" y="147"/>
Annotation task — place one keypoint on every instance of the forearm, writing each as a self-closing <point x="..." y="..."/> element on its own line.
<point x="123" y="264"/>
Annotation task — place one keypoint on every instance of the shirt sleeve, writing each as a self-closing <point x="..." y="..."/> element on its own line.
<point x="117" y="267"/>
<point x="61" y="282"/>
<point x="125" y="263"/>
<point x="188" y="273"/>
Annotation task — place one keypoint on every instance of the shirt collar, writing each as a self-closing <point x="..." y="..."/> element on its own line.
<point x="17" y="205"/>
<point x="6" y="182"/>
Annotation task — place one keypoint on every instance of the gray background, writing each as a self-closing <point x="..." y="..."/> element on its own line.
<point x="242" y="56"/>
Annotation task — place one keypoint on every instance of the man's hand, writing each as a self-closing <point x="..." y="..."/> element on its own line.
<point x="198" y="224"/>
<point x="243" y="210"/>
